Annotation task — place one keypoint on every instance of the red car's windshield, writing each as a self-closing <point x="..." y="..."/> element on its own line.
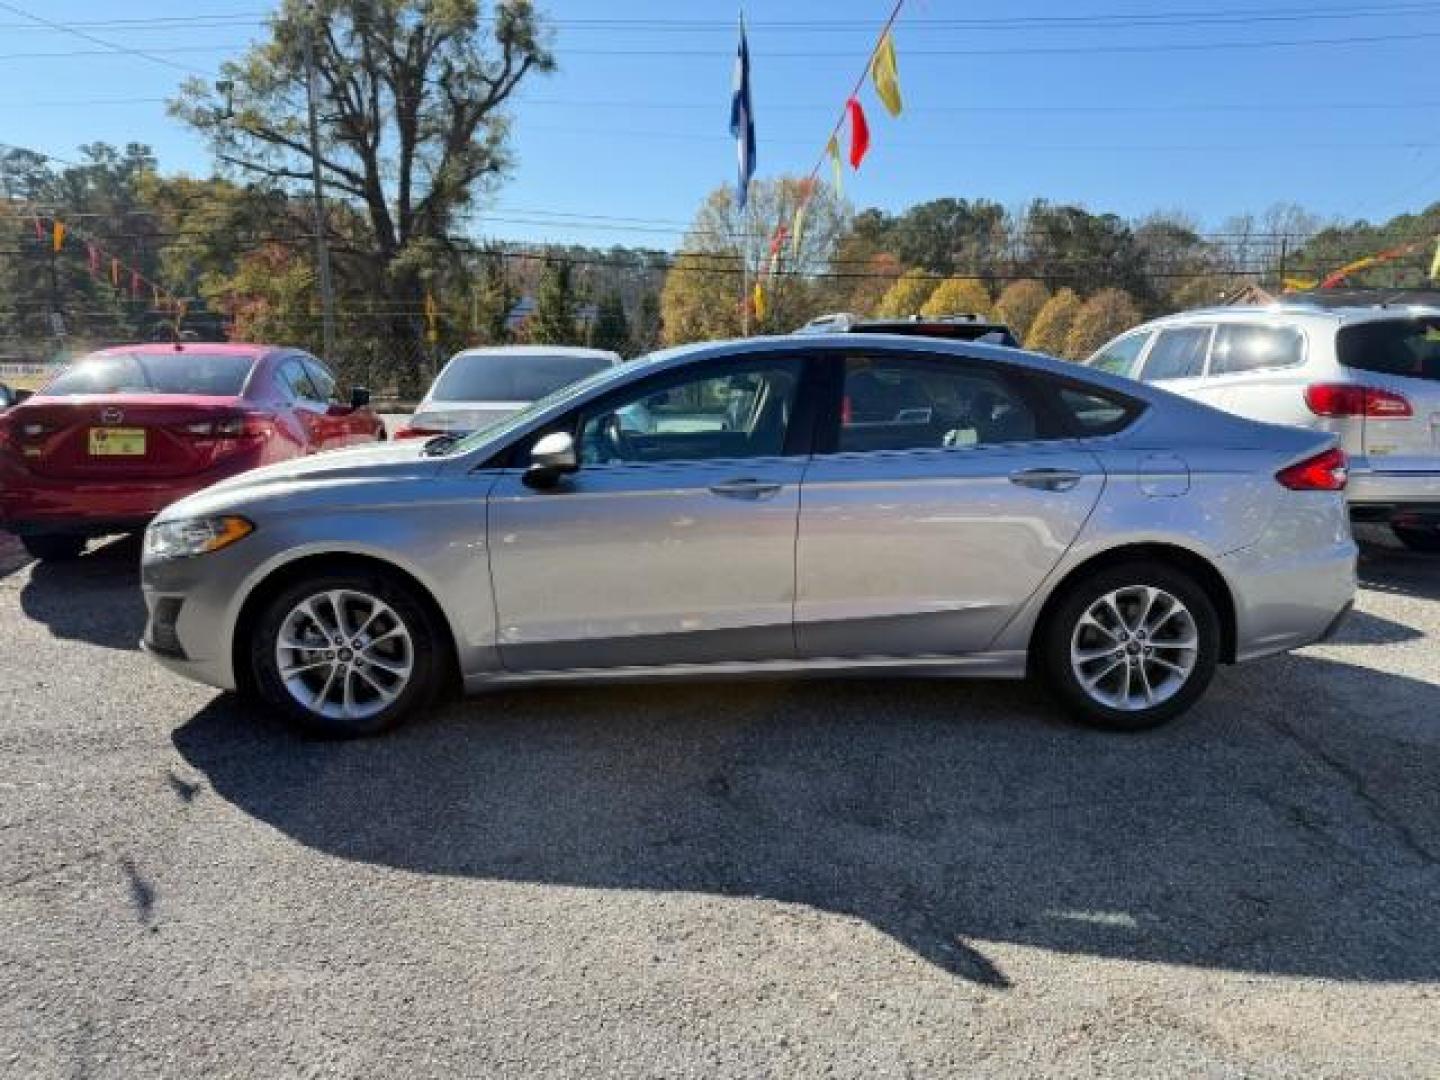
<point x="187" y="373"/>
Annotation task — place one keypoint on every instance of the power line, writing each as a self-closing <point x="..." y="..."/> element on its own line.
<point x="87" y="36"/>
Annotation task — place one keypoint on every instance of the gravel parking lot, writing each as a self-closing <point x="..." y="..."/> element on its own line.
<point x="839" y="878"/>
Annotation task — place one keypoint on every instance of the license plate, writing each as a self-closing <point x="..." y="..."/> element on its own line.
<point x="117" y="442"/>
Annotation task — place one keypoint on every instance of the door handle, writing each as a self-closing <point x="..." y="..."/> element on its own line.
<point x="745" y="488"/>
<point x="1046" y="479"/>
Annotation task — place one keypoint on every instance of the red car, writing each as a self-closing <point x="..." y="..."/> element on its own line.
<point x="124" y="432"/>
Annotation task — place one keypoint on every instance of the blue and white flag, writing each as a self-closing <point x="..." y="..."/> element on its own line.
<point x="742" y="120"/>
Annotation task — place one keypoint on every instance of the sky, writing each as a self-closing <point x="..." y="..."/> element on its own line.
<point x="1118" y="105"/>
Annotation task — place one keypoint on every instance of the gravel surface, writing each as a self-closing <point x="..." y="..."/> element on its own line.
<point x="838" y="878"/>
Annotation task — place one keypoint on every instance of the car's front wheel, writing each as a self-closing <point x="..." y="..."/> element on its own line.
<point x="1131" y="646"/>
<point x="348" y="654"/>
<point x="53" y="548"/>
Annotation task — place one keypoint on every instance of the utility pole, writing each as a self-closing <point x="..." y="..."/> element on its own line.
<point x="322" y="247"/>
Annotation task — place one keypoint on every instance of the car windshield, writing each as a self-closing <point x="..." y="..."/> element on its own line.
<point x="1406" y="347"/>
<point x="188" y="373"/>
<point x="511" y="376"/>
<point x="515" y="421"/>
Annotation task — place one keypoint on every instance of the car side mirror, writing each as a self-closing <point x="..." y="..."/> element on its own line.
<point x="359" y="397"/>
<point x="552" y="457"/>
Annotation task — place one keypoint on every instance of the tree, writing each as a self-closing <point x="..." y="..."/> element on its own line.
<point x="701" y="299"/>
<point x="906" y="296"/>
<point x="413" y="129"/>
<point x="553" y="322"/>
<point x="612" y="329"/>
<point x="493" y="299"/>
<point x="1105" y="315"/>
<point x="958" y="296"/>
<point x="1052" y="325"/>
<point x="1020" y="303"/>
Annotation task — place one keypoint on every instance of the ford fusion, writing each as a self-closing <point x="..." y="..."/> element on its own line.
<point x="783" y="506"/>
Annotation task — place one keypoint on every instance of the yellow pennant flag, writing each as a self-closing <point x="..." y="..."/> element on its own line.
<point x="759" y="302"/>
<point x="432" y="319"/>
<point x="1435" y="262"/>
<point x="886" y="74"/>
<point x="57" y="235"/>
<point x="833" y="149"/>
<point x="797" y="231"/>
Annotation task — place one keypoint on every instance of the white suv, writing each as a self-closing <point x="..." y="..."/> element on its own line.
<point x="1371" y="375"/>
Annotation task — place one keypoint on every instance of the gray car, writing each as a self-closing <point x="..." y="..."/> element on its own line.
<point x="798" y="505"/>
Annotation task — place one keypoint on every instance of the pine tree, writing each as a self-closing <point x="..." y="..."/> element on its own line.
<point x="553" y="322"/>
<point x="493" y="299"/>
<point x="612" y="329"/>
<point x="958" y="296"/>
<point x="1052" y="325"/>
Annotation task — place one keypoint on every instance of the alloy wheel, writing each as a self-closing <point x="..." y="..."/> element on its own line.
<point x="344" y="654"/>
<point x="1134" y="648"/>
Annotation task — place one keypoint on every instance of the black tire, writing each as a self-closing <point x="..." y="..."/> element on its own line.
<point x="429" y="648"/>
<point x="1053" y="644"/>
<point x="1418" y="537"/>
<point x="54" y="548"/>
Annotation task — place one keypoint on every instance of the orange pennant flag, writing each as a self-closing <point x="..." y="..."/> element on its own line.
<point x="115" y="272"/>
<point x="57" y="235"/>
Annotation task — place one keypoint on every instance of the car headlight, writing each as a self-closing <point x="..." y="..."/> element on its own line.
<point x="194" y="536"/>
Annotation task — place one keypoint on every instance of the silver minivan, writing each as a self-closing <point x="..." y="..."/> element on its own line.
<point x="1370" y="375"/>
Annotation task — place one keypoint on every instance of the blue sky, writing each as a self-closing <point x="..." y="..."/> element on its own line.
<point x="1116" y="104"/>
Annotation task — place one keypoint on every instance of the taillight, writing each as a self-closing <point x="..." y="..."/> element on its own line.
<point x="243" y="426"/>
<point x="1347" y="399"/>
<point x="1327" y="471"/>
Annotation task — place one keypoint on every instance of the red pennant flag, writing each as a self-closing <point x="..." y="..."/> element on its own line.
<point x="859" y="133"/>
<point x="134" y="284"/>
<point x="39" y="230"/>
<point x="93" y="254"/>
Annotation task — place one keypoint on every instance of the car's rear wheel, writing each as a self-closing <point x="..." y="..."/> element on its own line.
<point x="347" y="655"/>
<point x="1131" y="646"/>
<point x="1419" y="537"/>
<point x="54" y="548"/>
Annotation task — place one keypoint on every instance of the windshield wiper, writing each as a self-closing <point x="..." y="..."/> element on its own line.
<point x="440" y="443"/>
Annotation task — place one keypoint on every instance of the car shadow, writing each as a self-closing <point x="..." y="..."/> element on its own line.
<point x="95" y="598"/>
<point x="950" y="816"/>
<point x="1386" y="566"/>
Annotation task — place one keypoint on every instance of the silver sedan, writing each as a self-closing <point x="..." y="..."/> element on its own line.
<point x="786" y="506"/>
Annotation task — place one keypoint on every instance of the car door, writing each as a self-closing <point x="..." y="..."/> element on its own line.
<point x="344" y="426"/>
<point x="941" y="494"/>
<point x="1258" y="371"/>
<point x="674" y="542"/>
<point x="1120" y="356"/>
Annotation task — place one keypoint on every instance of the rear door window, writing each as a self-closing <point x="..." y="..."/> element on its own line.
<point x="912" y="403"/>
<point x="1406" y="347"/>
<point x="1239" y="348"/>
<point x="1118" y="358"/>
<point x="1178" y="353"/>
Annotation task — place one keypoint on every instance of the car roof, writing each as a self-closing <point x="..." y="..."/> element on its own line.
<point x="539" y="350"/>
<point x="1299" y="312"/>
<point x="899" y="343"/>
<point x="204" y="348"/>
